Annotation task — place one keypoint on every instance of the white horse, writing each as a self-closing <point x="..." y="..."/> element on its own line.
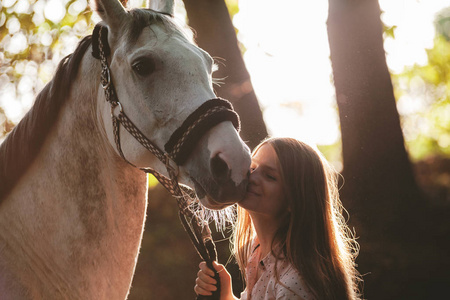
<point x="71" y="209"/>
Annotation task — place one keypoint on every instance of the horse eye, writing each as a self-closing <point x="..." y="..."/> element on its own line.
<point x="144" y="66"/>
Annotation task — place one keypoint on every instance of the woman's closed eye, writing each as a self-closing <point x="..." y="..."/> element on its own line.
<point x="271" y="177"/>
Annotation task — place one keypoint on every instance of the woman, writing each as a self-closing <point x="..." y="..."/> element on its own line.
<point x="290" y="240"/>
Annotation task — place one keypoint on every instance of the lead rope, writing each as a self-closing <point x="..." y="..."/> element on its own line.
<point x="198" y="231"/>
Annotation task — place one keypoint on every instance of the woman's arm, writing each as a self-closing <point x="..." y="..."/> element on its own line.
<point x="205" y="284"/>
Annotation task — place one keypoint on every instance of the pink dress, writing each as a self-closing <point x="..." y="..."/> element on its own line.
<point x="289" y="287"/>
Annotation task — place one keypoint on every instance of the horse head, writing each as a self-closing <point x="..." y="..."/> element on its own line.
<point x="161" y="77"/>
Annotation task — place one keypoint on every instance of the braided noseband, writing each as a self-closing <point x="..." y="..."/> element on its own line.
<point x="177" y="149"/>
<point x="208" y="115"/>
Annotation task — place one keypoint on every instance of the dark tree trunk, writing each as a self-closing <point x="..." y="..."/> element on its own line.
<point x="379" y="181"/>
<point x="380" y="190"/>
<point x="215" y="33"/>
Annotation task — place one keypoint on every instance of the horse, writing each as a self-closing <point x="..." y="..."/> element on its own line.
<point x="72" y="209"/>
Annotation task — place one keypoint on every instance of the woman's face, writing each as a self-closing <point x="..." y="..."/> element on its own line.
<point x="265" y="193"/>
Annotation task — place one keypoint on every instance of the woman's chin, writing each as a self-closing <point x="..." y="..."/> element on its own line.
<point x="249" y="201"/>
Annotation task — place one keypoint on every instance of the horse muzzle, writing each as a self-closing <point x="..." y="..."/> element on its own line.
<point x="218" y="195"/>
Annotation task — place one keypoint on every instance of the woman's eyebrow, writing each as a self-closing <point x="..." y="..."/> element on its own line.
<point x="268" y="168"/>
<point x="264" y="166"/>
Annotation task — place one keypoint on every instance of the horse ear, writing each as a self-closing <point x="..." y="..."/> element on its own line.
<point x="111" y="11"/>
<point x="164" y="6"/>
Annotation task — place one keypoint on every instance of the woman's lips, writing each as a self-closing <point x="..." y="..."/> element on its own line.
<point x="251" y="192"/>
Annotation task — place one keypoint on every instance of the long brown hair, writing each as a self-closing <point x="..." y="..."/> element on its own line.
<point x="315" y="237"/>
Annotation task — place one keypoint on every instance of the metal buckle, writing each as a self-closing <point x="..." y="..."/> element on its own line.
<point x="113" y="107"/>
<point x="108" y="83"/>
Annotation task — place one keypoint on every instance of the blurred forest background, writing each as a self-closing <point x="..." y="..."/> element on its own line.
<point x="393" y="148"/>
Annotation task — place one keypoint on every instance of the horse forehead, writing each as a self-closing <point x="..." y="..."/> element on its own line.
<point x="156" y="37"/>
<point x="151" y="36"/>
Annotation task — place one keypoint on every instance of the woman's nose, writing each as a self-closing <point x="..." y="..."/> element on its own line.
<point x="253" y="176"/>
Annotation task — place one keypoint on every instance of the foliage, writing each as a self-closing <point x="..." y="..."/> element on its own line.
<point x="424" y="101"/>
<point x="388" y="31"/>
<point x="423" y="94"/>
<point x="34" y="36"/>
<point x="5" y="124"/>
<point x="442" y="23"/>
<point x="233" y="7"/>
<point x="333" y="154"/>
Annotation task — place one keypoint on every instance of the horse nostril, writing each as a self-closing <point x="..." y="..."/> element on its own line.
<point x="219" y="169"/>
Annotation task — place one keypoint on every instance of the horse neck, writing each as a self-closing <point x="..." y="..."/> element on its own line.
<point x="76" y="217"/>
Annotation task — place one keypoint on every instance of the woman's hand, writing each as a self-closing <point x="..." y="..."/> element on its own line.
<point x="205" y="283"/>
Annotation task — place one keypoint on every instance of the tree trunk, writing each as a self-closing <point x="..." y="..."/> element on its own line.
<point x="215" y="34"/>
<point x="380" y="190"/>
<point x="379" y="181"/>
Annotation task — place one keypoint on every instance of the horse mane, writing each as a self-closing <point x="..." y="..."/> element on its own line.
<point x="24" y="142"/>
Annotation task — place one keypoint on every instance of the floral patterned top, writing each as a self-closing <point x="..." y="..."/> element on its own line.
<point x="290" y="285"/>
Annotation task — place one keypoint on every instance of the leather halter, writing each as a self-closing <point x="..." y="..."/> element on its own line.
<point x="178" y="148"/>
